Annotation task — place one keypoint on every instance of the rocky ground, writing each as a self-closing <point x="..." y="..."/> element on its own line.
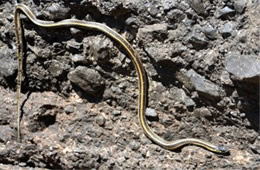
<point x="80" y="93"/>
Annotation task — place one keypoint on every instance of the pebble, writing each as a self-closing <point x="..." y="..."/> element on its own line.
<point x="116" y="112"/>
<point x="226" y="30"/>
<point x="210" y="32"/>
<point x="239" y="5"/>
<point x="134" y="145"/>
<point x="100" y="120"/>
<point x="87" y="79"/>
<point x="69" y="109"/>
<point x="151" y="113"/>
<point x="226" y="11"/>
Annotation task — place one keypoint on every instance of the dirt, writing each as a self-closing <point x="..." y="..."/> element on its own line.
<point x="79" y="92"/>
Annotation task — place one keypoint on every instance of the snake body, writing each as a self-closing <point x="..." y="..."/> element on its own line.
<point x="141" y="73"/>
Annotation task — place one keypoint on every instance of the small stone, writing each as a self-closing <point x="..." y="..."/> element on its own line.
<point x="87" y="79"/>
<point x="55" y="67"/>
<point x="255" y="148"/>
<point x="75" y="31"/>
<point x="22" y="164"/>
<point x="239" y="5"/>
<point x="58" y="12"/>
<point x="153" y="11"/>
<point x="150" y="32"/>
<point x="69" y="109"/>
<point x="198" y="6"/>
<point x="197" y="38"/>
<point x="242" y="115"/>
<point x="224" y="12"/>
<point x="6" y="133"/>
<point x="210" y="32"/>
<point x="116" y="112"/>
<point x="179" y="95"/>
<point x="244" y="67"/>
<point x="100" y="120"/>
<point x="151" y="113"/>
<point x="226" y="30"/>
<point x="168" y="4"/>
<point x="175" y="15"/>
<point x="203" y="86"/>
<point x="8" y="65"/>
<point x="134" y="145"/>
<point x="130" y="21"/>
<point x="78" y="58"/>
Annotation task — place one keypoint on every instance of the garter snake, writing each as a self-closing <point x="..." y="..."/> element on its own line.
<point x="141" y="73"/>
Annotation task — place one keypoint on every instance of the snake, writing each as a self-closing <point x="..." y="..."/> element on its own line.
<point x="132" y="54"/>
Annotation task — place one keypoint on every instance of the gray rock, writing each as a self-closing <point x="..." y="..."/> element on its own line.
<point x="151" y="113"/>
<point x="180" y="96"/>
<point x="6" y="133"/>
<point x="224" y="12"/>
<point x="198" y="6"/>
<point x="226" y="30"/>
<point x="150" y="32"/>
<point x="204" y="87"/>
<point x="55" y="67"/>
<point x="69" y="109"/>
<point x="8" y="65"/>
<point x="100" y="120"/>
<point x="77" y="58"/>
<point x="58" y="12"/>
<point x="153" y="11"/>
<point x="198" y="39"/>
<point x="116" y="112"/>
<point x="130" y="21"/>
<point x="176" y="15"/>
<point x="244" y="67"/>
<point x="239" y="5"/>
<point x="210" y="32"/>
<point x="87" y="79"/>
<point x="168" y="4"/>
<point x="134" y="145"/>
<point x="74" y="46"/>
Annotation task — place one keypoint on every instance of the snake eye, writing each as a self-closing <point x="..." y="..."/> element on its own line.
<point x="223" y="149"/>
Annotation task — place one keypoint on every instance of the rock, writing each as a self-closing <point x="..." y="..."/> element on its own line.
<point x="226" y="30"/>
<point x="116" y="112"/>
<point x="197" y="38"/>
<point x="150" y="32"/>
<point x="244" y="67"/>
<point x="225" y="12"/>
<point x="153" y="11"/>
<point x="134" y="145"/>
<point x="210" y="32"/>
<point x="87" y="79"/>
<point x="130" y="21"/>
<point x="159" y="53"/>
<point x="151" y="113"/>
<point x="239" y="5"/>
<point x="6" y="133"/>
<point x="74" y="46"/>
<point x="69" y="109"/>
<point x="55" y="67"/>
<point x="58" y="12"/>
<point x="204" y="87"/>
<point x="176" y="15"/>
<point x="77" y="58"/>
<point x="168" y="4"/>
<point x="180" y="96"/>
<point x="8" y="65"/>
<point x="198" y="6"/>
<point x="100" y="120"/>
